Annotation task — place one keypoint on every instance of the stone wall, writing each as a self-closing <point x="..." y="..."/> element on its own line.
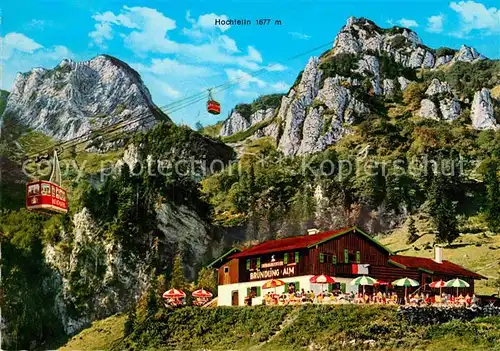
<point x="433" y="315"/>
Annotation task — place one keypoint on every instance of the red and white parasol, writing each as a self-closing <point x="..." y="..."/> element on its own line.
<point x="202" y="293"/>
<point x="174" y="294"/>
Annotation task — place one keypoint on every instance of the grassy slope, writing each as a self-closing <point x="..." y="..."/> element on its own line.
<point x="288" y="328"/>
<point x="478" y="252"/>
<point x="99" y="336"/>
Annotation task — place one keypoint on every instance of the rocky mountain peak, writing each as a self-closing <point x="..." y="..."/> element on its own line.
<point x="74" y="98"/>
<point x="368" y="64"/>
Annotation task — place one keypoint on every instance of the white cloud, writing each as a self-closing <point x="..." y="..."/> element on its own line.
<point x="246" y="94"/>
<point x="300" y="35"/>
<point x="254" y="55"/>
<point x="168" y="90"/>
<point x="435" y="24"/>
<point x="229" y="44"/>
<point x="243" y="78"/>
<point x="146" y="30"/>
<point x="171" y="67"/>
<point x="475" y="16"/>
<point x="18" y="42"/>
<point x="193" y="33"/>
<point x="110" y="17"/>
<point x="276" y="67"/>
<point x="22" y="53"/>
<point x="208" y="21"/>
<point x="246" y="81"/>
<point x="280" y="86"/>
<point x="101" y="33"/>
<point x="409" y="23"/>
<point x="38" y="24"/>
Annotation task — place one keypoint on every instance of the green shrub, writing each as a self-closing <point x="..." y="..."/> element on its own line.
<point x="398" y="42"/>
<point x="444" y="51"/>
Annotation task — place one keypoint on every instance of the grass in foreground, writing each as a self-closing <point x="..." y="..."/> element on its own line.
<point x="278" y="328"/>
<point x="99" y="336"/>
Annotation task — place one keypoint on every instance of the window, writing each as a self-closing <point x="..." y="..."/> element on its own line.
<point x="248" y="264"/>
<point x="327" y="258"/>
<point x="45" y="189"/>
<point x="34" y="189"/>
<point x="358" y="257"/>
<point x="290" y="257"/>
<point x="352" y="257"/>
<point x="346" y="256"/>
<point x="254" y="291"/>
<point x="257" y="264"/>
<point x="226" y="269"/>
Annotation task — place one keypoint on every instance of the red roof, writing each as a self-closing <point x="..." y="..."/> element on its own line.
<point x="289" y="243"/>
<point x="446" y="267"/>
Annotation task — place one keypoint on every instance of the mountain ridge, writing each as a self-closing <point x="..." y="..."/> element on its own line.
<point x="367" y="63"/>
<point x="75" y="98"/>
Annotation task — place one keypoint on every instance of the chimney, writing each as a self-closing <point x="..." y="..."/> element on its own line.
<point x="438" y="254"/>
<point x="312" y="231"/>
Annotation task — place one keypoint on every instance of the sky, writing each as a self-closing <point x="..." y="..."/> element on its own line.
<point x="180" y="52"/>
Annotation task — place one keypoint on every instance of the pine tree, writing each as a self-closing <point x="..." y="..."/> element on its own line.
<point x="492" y="196"/>
<point x="412" y="231"/>
<point x="129" y="324"/>
<point x="198" y="126"/>
<point x="442" y="209"/>
<point x="178" y="280"/>
<point x="207" y="280"/>
<point x="161" y="285"/>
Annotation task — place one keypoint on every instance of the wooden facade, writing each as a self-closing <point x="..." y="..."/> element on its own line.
<point x="333" y="255"/>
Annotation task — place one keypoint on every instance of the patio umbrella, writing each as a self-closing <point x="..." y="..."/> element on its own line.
<point x="174" y="294"/>
<point x="322" y="279"/>
<point x="438" y="284"/>
<point x="406" y="282"/>
<point x="457" y="283"/>
<point x="363" y="280"/>
<point x="273" y="283"/>
<point x="202" y="293"/>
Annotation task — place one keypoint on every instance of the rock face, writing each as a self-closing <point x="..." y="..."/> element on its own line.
<point x="76" y="97"/>
<point x="114" y="277"/>
<point x="436" y="87"/>
<point x="468" y="54"/>
<point x="482" y="112"/>
<point x="428" y="109"/>
<point x="335" y="90"/>
<point x="238" y="123"/>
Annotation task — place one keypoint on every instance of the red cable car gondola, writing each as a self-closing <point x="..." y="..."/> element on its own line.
<point x="47" y="196"/>
<point x="213" y="106"/>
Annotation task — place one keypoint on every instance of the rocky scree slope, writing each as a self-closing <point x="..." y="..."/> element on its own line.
<point x="74" y="98"/>
<point x="367" y="67"/>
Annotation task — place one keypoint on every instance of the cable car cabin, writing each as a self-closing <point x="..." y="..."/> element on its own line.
<point x="213" y="107"/>
<point x="46" y="197"/>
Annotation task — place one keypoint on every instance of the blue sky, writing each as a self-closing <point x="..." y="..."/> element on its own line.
<point x="179" y="51"/>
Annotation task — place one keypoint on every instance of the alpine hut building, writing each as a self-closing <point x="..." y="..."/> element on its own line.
<point x="343" y="254"/>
